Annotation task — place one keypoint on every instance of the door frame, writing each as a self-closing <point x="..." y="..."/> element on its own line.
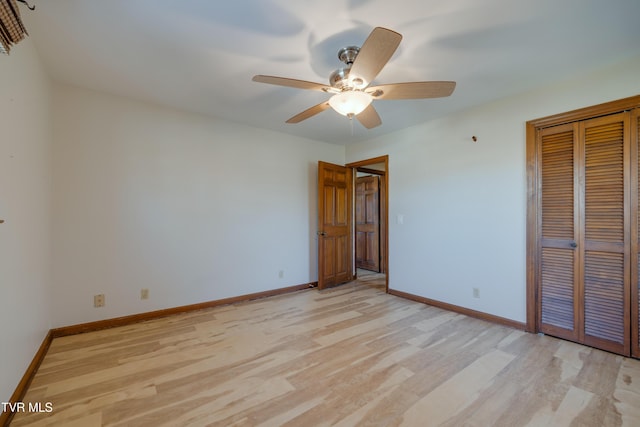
<point x="384" y="209"/>
<point x="533" y="231"/>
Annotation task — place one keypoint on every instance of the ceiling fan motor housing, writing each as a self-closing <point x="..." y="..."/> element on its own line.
<point x="340" y="78"/>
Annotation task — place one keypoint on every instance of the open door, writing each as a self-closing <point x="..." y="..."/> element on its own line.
<point x="368" y="223"/>
<point x="335" y="185"/>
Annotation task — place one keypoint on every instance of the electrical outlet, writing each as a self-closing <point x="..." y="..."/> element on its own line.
<point x="98" y="300"/>
<point x="144" y="293"/>
<point x="476" y="292"/>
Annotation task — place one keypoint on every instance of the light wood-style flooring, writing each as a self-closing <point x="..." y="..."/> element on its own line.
<point x="348" y="356"/>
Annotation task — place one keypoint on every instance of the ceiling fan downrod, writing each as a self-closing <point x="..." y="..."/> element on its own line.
<point x="348" y="54"/>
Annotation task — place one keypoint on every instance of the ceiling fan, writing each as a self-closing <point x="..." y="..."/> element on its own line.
<point x="352" y="95"/>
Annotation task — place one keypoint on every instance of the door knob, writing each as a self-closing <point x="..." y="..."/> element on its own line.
<point x="573" y="244"/>
<point x="321" y="233"/>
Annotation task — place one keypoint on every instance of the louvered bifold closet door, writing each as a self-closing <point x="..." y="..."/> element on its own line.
<point x="558" y="223"/>
<point x="605" y="249"/>
<point x="635" y="233"/>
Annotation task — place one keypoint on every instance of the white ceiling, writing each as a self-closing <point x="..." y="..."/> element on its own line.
<point x="200" y="55"/>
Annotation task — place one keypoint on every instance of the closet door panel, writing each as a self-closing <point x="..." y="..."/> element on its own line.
<point x="557" y="222"/>
<point x="557" y="276"/>
<point x="604" y="302"/>
<point x="606" y="244"/>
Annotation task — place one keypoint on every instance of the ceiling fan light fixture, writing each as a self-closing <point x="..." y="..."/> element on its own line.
<point x="350" y="103"/>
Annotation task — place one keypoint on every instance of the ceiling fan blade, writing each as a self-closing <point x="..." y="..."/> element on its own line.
<point x="412" y="90"/>
<point x="298" y="84"/>
<point x="369" y="117"/>
<point x="374" y="54"/>
<point x="310" y="112"/>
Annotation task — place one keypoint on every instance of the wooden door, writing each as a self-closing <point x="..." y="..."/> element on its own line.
<point x="560" y="229"/>
<point x="584" y="219"/>
<point x="606" y="223"/>
<point x="368" y="223"/>
<point x="635" y="233"/>
<point x="383" y="223"/>
<point x="335" y="185"/>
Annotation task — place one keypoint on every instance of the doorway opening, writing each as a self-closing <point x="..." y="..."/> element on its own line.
<point x="336" y="230"/>
<point x="371" y="218"/>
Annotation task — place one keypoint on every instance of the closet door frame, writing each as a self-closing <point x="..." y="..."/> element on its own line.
<point x="533" y="204"/>
<point x="635" y="246"/>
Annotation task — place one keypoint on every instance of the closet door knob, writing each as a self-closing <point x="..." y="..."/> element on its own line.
<point x="573" y="244"/>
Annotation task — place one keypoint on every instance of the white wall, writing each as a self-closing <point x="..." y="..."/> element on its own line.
<point x="24" y="205"/>
<point x="192" y="208"/>
<point x="464" y="204"/>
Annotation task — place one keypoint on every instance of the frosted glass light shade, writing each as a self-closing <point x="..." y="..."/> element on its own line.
<point x="349" y="103"/>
